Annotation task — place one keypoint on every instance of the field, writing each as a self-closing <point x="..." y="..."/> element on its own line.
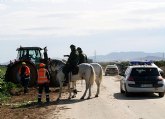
<point x="14" y="104"/>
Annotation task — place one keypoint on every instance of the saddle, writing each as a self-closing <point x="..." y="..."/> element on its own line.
<point x="75" y="70"/>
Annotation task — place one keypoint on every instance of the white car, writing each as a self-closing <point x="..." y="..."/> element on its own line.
<point x="142" y="78"/>
<point x="111" y="70"/>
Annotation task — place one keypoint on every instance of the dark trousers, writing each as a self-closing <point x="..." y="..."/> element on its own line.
<point x="69" y="68"/>
<point x="25" y="83"/>
<point x="45" y="87"/>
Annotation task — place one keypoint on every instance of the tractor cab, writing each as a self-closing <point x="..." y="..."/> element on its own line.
<point x="30" y="54"/>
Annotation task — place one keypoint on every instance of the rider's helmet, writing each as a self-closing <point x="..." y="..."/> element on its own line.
<point x="42" y="65"/>
<point x="23" y="63"/>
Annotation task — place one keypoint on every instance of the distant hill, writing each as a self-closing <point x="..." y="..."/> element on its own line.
<point x="127" y="56"/>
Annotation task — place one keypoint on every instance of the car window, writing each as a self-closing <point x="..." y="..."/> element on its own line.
<point x="144" y="72"/>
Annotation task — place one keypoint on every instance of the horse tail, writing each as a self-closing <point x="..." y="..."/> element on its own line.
<point x="92" y="76"/>
<point x="101" y="73"/>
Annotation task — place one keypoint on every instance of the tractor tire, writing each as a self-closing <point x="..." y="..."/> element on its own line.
<point x="13" y="76"/>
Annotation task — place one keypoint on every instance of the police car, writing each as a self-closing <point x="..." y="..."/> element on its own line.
<point x="142" y="77"/>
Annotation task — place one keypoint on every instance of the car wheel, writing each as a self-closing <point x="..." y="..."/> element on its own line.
<point x="161" y="94"/>
<point x="127" y="94"/>
<point x="121" y="90"/>
<point x="105" y="74"/>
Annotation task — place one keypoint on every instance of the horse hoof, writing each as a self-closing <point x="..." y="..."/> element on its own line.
<point x="96" y="96"/>
<point x="73" y="96"/>
<point x="82" y="98"/>
<point x="88" y="98"/>
<point x="58" y="99"/>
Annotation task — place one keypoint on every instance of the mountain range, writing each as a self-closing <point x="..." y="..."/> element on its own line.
<point x="128" y="56"/>
<point x="123" y="56"/>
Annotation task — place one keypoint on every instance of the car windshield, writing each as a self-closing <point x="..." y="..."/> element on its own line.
<point x="144" y="72"/>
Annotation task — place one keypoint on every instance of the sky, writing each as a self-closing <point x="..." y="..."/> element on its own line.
<point x="97" y="26"/>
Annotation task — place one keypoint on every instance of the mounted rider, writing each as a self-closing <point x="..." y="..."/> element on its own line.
<point x="72" y="62"/>
<point x="82" y="56"/>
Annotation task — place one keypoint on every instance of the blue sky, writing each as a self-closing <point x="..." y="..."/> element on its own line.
<point x="103" y="26"/>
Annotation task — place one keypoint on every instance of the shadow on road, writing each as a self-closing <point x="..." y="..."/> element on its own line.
<point x="72" y="101"/>
<point x="136" y="96"/>
<point x="33" y="105"/>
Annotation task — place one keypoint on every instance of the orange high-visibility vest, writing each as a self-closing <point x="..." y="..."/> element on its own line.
<point x="42" y="78"/>
<point x="27" y="71"/>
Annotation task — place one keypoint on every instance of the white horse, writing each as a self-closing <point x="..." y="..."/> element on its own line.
<point x="86" y="72"/>
<point x="99" y="76"/>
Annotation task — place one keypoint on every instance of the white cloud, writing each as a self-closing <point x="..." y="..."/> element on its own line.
<point x="3" y="7"/>
<point x="74" y="18"/>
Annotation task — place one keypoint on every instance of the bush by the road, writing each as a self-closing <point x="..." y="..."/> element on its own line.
<point x="6" y="88"/>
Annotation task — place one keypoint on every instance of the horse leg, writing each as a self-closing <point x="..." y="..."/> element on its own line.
<point x="89" y="91"/>
<point x="74" y="89"/>
<point x="87" y="86"/>
<point x="61" y="85"/>
<point x="98" y="88"/>
<point x="70" y="92"/>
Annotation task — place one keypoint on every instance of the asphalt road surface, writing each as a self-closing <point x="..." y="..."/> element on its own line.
<point x="110" y="104"/>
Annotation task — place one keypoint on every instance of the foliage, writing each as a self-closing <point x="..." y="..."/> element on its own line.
<point x="160" y="63"/>
<point x="6" y="87"/>
<point x="123" y="65"/>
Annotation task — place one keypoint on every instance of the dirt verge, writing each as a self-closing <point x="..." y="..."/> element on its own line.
<point x="25" y="106"/>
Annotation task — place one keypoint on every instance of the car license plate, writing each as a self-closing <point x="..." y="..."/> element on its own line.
<point x="146" y="85"/>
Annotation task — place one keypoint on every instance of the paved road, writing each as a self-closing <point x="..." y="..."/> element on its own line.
<point x="110" y="104"/>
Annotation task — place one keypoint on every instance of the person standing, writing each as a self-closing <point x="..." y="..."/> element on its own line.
<point x="82" y="56"/>
<point x="43" y="82"/>
<point x="72" y="62"/>
<point x="24" y="73"/>
<point x="46" y="57"/>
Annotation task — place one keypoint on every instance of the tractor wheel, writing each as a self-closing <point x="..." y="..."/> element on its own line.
<point x="13" y="76"/>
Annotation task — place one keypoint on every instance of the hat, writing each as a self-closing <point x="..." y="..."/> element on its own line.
<point x="79" y="49"/>
<point x="72" y="46"/>
<point x="23" y="63"/>
<point x="42" y="65"/>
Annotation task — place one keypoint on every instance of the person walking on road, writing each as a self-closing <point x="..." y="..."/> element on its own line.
<point x="43" y="82"/>
<point x="82" y="56"/>
<point x="24" y="73"/>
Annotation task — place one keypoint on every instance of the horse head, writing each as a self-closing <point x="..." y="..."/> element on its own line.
<point x="56" y="65"/>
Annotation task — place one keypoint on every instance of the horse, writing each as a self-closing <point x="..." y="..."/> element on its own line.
<point x="99" y="76"/>
<point x="86" y="72"/>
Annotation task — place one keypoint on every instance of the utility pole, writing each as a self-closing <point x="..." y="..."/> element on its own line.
<point x="95" y="55"/>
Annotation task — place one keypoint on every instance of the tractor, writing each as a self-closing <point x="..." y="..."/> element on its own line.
<point x="32" y="56"/>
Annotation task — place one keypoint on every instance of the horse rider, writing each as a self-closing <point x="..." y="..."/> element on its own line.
<point x="24" y="73"/>
<point x="72" y="62"/>
<point x="82" y="56"/>
<point x="43" y="82"/>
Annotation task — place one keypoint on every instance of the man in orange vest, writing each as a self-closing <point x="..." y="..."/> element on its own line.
<point x="43" y="82"/>
<point x="24" y="73"/>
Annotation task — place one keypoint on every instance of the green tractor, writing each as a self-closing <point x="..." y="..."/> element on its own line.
<point x="32" y="56"/>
